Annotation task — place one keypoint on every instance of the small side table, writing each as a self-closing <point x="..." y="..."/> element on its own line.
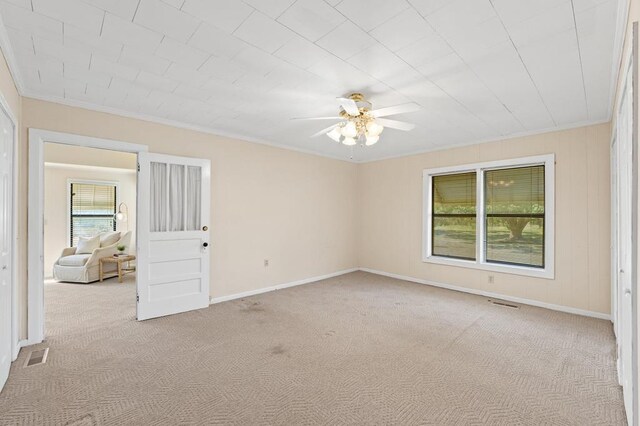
<point x="119" y="260"/>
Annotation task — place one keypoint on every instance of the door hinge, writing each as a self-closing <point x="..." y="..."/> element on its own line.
<point x="137" y="298"/>
<point x="138" y="166"/>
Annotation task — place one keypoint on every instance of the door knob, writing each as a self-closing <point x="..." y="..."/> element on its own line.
<point x="205" y="244"/>
<point x="205" y="228"/>
<point x="627" y="291"/>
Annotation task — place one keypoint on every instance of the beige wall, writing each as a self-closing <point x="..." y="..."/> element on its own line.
<point x="56" y="208"/>
<point x="297" y="210"/>
<point x="390" y="238"/>
<point x="311" y="216"/>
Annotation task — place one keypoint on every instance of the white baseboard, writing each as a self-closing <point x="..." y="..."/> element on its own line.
<point x="19" y="345"/>
<point x="521" y="300"/>
<point x="279" y="286"/>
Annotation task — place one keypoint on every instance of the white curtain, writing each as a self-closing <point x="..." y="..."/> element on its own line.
<point x="173" y="185"/>
<point x="176" y="197"/>
<point x="158" y="208"/>
<point x="194" y="192"/>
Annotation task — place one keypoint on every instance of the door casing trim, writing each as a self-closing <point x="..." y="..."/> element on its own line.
<point x="35" y="223"/>
<point x="15" y="331"/>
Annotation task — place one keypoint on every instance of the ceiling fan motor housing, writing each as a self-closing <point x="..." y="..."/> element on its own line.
<point x="361" y="120"/>
<point x="363" y="104"/>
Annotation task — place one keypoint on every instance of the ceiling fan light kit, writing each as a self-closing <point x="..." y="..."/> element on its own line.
<point x="335" y="134"/>
<point x="371" y="140"/>
<point x="359" y="123"/>
<point x="348" y="141"/>
<point x="374" y="129"/>
<point x="350" y="130"/>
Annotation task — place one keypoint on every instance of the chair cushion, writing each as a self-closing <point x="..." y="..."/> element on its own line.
<point x="88" y="245"/>
<point x="109" y="238"/>
<point x="74" y="260"/>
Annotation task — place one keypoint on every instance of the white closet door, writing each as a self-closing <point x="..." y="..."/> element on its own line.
<point x="624" y="243"/>
<point x="173" y="237"/>
<point x="6" y="215"/>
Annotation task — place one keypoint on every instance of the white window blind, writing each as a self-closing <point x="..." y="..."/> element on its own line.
<point x="91" y="210"/>
<point x="514" y="208"/>
<point x="454" y="216"/>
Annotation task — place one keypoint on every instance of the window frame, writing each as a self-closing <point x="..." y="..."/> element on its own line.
<point x="115" y="184"/>
<point x="548" y="161"/>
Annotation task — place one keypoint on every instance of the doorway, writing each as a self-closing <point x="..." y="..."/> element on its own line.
<point x="73" y="164"/>
<point x="172" y="203"/>
<point x="89" y="237"/>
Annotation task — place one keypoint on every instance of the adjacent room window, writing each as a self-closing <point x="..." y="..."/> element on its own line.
<point x="91" y="209"/>
<point x="495" y="216"/>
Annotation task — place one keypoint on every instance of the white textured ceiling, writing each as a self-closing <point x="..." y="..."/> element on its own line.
<point x="481" y="69"/>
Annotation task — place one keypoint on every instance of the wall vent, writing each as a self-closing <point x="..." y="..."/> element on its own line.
<point x="39" y="356"/>
<point x="503" y="303"/>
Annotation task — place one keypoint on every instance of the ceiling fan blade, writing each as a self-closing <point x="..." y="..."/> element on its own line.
<point x="316" y="118"/>
<point x="398" y="109"/>
<point x="395" y="124"/>
<point x="324" y="131"/>
<point x="350" y="106"/>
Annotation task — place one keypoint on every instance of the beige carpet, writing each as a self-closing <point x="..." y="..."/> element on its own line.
<point x="356" y="349"/>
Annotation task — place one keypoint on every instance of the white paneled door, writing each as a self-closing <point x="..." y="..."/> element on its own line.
<point x="6" y="246"/>
<point x="173" y="234"/>
<point x="623" y="240"/>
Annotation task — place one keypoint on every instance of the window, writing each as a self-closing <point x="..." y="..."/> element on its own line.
<point x="454" y="216"/>
<point x="496" y="216"/>
<point x="514" y="211"/>
<point x="91" y="209"/>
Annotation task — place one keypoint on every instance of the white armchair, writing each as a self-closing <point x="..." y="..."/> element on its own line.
<point x="84" y="268"/>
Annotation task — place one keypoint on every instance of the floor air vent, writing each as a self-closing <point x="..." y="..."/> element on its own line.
<point x="503" y="303"/>
<point x="37" y="357"/>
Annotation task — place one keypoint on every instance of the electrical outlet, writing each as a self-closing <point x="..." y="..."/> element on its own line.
<point x="266" y="263"/>
<point x="490" y="279"/>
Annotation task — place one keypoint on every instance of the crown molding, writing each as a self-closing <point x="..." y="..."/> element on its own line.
<point x="172" y="123"/>
<point x="5" y="45"/>
<point x="201" y="129"/>
<point x="524" y="134"/>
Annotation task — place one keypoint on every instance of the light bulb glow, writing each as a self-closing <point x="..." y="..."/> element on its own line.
<point x="374" y="129"/>
<point x="349" y="141"/>
<point x="120" y="217"/>
<point x="335" y="134"/>
<point x="372" y="140"/>
<point x="349" y="130"/>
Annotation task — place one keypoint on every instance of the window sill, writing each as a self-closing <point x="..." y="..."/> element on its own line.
<point x="546" y="273"/>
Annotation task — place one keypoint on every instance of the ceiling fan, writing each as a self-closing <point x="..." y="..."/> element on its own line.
<point x="358" y="122"/>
